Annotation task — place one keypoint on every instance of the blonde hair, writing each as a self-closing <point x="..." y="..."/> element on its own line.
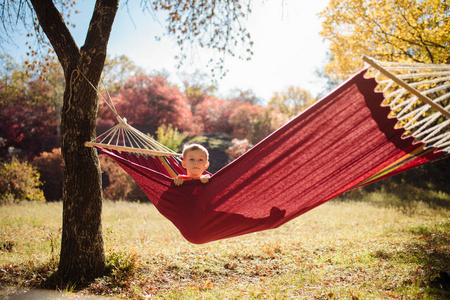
<point x="192" y="147"/>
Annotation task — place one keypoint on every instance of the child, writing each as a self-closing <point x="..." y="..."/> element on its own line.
<point x="195" y="161"/>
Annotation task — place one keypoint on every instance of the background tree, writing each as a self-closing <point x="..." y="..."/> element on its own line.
<point x="197" y="87"/>
<point x="49" y="165"/>
<point x="267" y="122"/>
<point x="147" y="102"/>
<point x="212" y="24"/>
<point x="117" y="70"/>
<point x="27" y="126"/>
<point x="30" y="106"/>
<point x="246" y="96"/>
<point x="12" y="80"/>
<point x="292" y="101"/>
<point x="214" y="115"/>
<point x="242" y="119"/>
<point x="389" y="30"/>
<point x="170" y="137"/>
<point x="19" y="181"/>
<point x="237" y="148"/>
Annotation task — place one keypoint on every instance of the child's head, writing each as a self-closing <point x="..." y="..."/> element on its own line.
<point x="192" y="147"/>
<point x="195" y="160"/>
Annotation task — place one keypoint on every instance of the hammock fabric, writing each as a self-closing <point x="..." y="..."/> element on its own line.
<point x="341" y="142"/>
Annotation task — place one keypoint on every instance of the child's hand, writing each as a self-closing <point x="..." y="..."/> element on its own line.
<point x="204" y="178"/>
<point x="178" y="181"/>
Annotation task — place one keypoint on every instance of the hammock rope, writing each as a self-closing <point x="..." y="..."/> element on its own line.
<point x="419" y="97"/>
<point x="124" y="137"/>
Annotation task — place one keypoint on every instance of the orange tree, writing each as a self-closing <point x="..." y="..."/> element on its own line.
<point x="212" y="24"/>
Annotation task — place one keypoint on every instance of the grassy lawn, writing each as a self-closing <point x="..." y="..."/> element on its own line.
<point x="340" y="250"/>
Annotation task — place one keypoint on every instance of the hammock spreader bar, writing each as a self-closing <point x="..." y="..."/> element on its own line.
<point x="399" y="81"/>
<point x="343" y="141"/>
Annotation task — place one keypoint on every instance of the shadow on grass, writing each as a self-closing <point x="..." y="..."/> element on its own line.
<point x="430" y="249"/>
<point x="430" y="244"/>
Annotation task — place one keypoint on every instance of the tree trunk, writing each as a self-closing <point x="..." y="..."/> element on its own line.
<point x="82" y="252"/>
<point x="82" y="255"/>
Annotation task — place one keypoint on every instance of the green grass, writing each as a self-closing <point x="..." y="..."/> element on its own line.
<point x="340" y="250"/>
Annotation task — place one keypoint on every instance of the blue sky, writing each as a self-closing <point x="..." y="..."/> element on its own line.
<point x="287" y="46"/>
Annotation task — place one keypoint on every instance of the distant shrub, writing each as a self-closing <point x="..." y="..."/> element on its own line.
<point x="120" y="185"/>
<point x="49" y="165"/>
<point x="19" y="181"/>
<point x="170" y="137"/>
<point x="237" y="148"/>
<point x="267" y="122"/>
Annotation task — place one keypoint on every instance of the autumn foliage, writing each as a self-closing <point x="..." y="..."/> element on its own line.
<point x="242" y="119"/>
<point x="237" y="148"/>
<point x="50" y="166"/>
<point x="148" y="102"/>
<point x="19" y="181"/>
<point x="388" y="30"/>
<point x="119" y="185"/>
<point x="29" y="123"/>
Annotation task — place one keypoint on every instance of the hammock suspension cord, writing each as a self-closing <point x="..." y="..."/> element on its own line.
<point x="124" y="137"/>
<point x="418" y="95"/>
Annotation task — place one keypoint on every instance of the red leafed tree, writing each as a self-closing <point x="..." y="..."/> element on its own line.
<point x="28" y="126"/>
<point x="148" y="102"/>
<point x="214" y="114"/>
<point x="242" y="119"/>
<point x="30" y="122"/>
<point x="29" y="108"/>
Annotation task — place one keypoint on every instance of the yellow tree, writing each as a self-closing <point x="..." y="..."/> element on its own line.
<point x="117" y="70"/>
<point x="389" y="30"/>
<point x="292" y="101"/>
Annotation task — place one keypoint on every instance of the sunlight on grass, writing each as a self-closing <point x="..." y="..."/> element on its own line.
<point x="340" y="250"/>
<point x="32" y="230"/>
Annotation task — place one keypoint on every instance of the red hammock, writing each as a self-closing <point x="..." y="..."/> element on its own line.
<point x="341" y="142"/>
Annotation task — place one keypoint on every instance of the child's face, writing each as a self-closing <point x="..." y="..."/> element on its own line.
<point x="195" y="163"/>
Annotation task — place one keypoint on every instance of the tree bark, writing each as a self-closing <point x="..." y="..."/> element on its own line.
<point x="82" y="252"/>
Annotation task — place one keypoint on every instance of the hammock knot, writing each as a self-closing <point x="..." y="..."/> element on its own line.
<point x="121" y="120"/>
